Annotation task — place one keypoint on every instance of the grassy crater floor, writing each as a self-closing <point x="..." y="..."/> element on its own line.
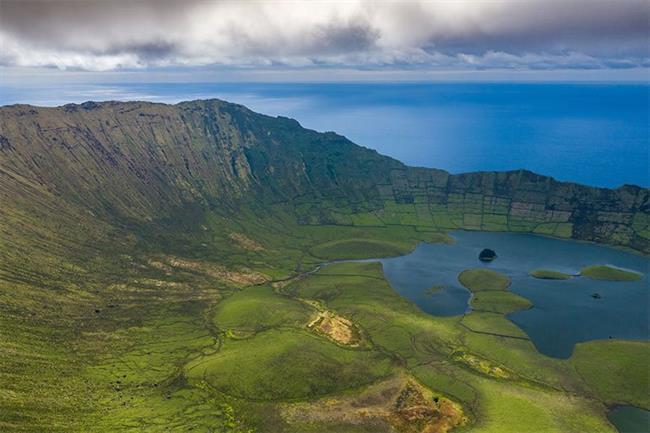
<point x="279" y="365"/>
<point x="369" y="248"/>
<point x="180" y="348"/>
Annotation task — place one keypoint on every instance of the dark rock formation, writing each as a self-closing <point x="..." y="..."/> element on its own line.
<point x="487" y="255"/>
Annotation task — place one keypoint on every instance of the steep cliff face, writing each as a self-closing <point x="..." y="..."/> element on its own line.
<point x="524" y="201"/>
<point x="115" y="163"/>
<point x="133" y="160"/>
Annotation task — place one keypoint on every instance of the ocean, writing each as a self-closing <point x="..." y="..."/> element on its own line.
<point x="595" y="134"/>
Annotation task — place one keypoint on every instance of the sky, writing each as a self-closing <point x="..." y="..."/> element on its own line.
<point x="190" y="40"/>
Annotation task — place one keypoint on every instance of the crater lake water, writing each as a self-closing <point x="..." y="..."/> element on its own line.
<point x="629" y="419"/>
<point x="596" y="134"/>
<point x="564" y="311"/>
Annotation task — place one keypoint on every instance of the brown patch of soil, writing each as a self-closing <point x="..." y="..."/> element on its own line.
<point x="243" y="276"/>
<point x="281" y="284"/>
<point x="337" y="328"/>
<point x="396" y="404"/>
<point x="246" y="242"/>
<point x="160" y="266"/>
<point x="484" y="366"/>
<point x="417" y="409"/>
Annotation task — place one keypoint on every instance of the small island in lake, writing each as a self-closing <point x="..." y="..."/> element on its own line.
<point x="483" y="279"/>
<point x="549" y="274"/>
<point x="609" y="273"/>
<point x="487" y="255"/>
<point x="434" y="289"/>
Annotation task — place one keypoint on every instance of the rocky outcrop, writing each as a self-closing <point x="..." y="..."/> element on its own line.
<point x="487" y="255"/>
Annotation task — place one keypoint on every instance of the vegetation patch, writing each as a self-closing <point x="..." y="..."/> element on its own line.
<point x="508" y="408"/>
<point x="258" y="308"/>
<point x="493" y="324"/>
<point x="609" y="273"/>
<point x="502" y="302"/>
<point x="480" y="279"/>
<point x="616" y="370"/>
<point x="434" y="289"/>
<point x="549" y="274"/>
<point x="286" y="364"/>
<point x="358" y="249"/>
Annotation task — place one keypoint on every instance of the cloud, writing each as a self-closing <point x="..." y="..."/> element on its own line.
<point x="478" y="34"/>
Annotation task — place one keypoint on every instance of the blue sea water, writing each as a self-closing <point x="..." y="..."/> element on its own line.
<point x="596" y="134"/>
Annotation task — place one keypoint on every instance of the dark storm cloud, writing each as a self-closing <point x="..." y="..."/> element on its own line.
<point x="592" y="27"/>
<point x="145" y="50"/>
<point x="337" y="38"/>
<point x="104" y="35"/>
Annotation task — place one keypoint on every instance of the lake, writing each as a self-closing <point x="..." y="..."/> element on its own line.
<point x="564" y="311"/>
<point x="596" y="134"/>
<point x="629" y="419"/>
